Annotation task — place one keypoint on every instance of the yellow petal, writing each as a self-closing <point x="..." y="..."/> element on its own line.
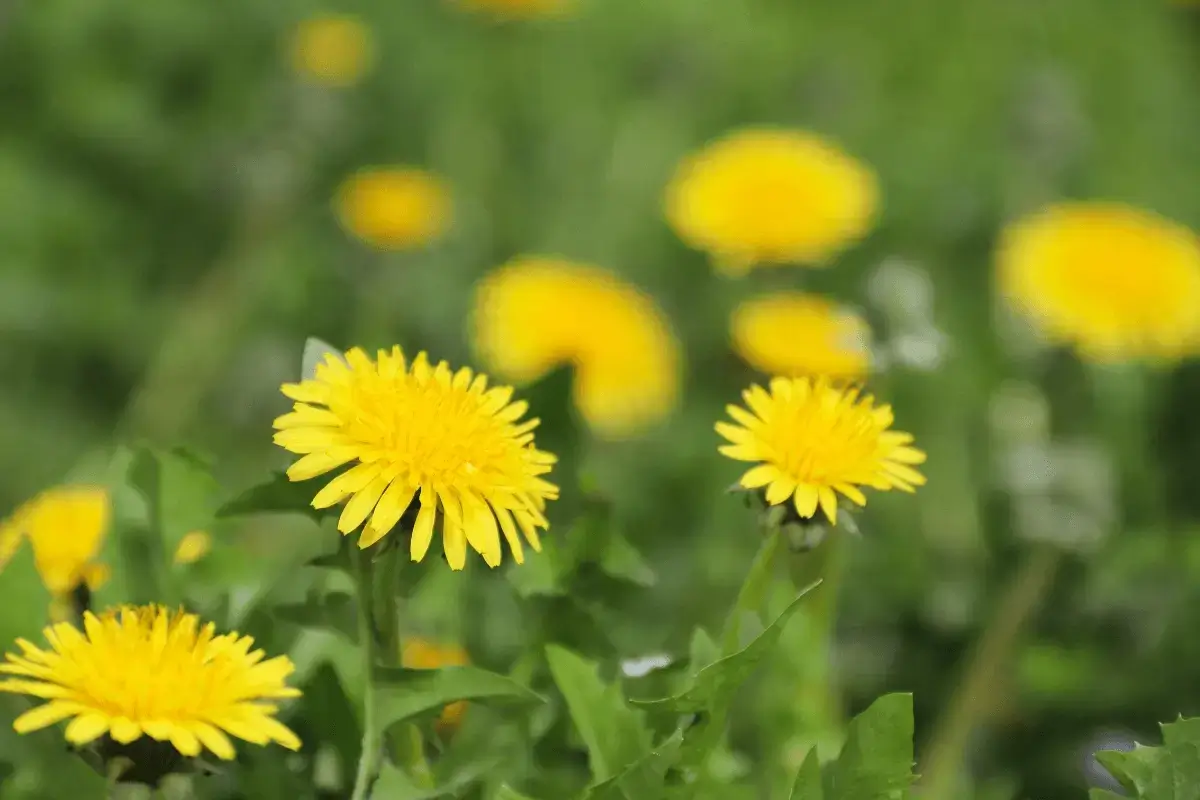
<point x="828" y="503"/>
<point x="346" y="484"/>
<point x="422" y="533"/>
<point x="185" y="741"/>
<point x="454" y="543"/>
<point x="481" y="530"/>
<point x="213" y="740"/>
<point x="44" y="716"/>
<point x="125" y="730"/>
<point x="852" y="492"/>
<point x="780" y="490"/>
<point x="510" y="533"/>
<point x="760" y="476"/>
<point x="806" y="500"/>
<point x="362" y="504"/>
<point x="391" y="508"/>
<point x="314" y="464"/>
<point x="86" y="728"/>
<point x="733" y="433"/>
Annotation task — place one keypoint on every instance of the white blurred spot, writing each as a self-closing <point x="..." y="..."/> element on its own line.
<point x="641" y="667"/>
<point x="923" y="350"/>
<point x="903" y="292"/>
<point x="315" y="351"/>
<point x="1019" y="411"/>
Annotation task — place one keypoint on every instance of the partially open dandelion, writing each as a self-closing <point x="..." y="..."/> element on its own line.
<point x="517" y="9"/>
<point x="417" y="653"/>
<point x="814" y="441"/>
<point x="1116" y="282"/>
<point x="192" y="547"/>
<point x="791" y="333"/>
<point x="765" y="197"/>
<point x="66" y="526"/>
<point x="332" y="49"/>
<point x="145" y="671"/>
<point x="535" y="314"/>
<point x="394" y="208"/>
<point x="415" y="434"/>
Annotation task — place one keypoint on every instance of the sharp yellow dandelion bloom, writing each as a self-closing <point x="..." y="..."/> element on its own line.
<point x="422" y="654"/>
<point x="66" y="527"/>
<point x="813" y="441"/>
<point x="765" y="197"/>
<point x="800" y="334"/>
<point x="1114" y="281"/>
<point x="517" y="9"/>
<point x="394" y="208"/>
<point x="192" y="547"/>
<point x="415" y="434"/>
<point x="335" y="50"/>
<point x="147" y="671"/>
<point x="535" y="314"/>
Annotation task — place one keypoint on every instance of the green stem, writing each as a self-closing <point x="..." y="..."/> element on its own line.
<point x="975" y="695"/>
<point x="372" y="745"/>
<point x="754" y="590"/>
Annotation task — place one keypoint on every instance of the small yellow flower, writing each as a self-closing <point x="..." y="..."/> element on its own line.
<point x="535" y="314"/>
<point x="517" y="9"/>
<point x="1114" y="281"/>
<point x="767" y="197"/>
<point x="145" y="671"/>
<point x="814" y="440"/>
<point x="419" y="653"/>
<point x="335" y="50"/>
<point x="394" y="208"/>
<point x="192" y="547"/>
<point x="66" y="526"/>
<point x="416" y="431"/>
<point x="800" y="334"/>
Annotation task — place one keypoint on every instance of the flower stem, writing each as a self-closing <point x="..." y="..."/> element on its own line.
<point x="754" y="590"/>
<point x="372" y="745"/>
<point x="971" y="700"/>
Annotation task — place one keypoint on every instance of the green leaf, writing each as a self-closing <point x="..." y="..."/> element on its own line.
<point x="1181" y="731"/>
<point x="808" y="780"/>
<point x="1134" y="770"/>
<point x="506" y="792"/>
<point x="644" y="778"/>
<point x="188" y="496"/>
<point x="402" y="694"/>
<point x="277" y="496"/>
<point x="715" y="685"/>
<point x="702" y="651"/>
<point x="622" y="560"/>
<point x="1105" y="794"/>
<point x="335" y="611"/>
<point x="613" y="732"/>
<point x="877" y="759"/>
<point x="395" y="784"/>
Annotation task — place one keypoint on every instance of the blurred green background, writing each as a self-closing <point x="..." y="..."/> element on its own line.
<point x="167" y="244"/>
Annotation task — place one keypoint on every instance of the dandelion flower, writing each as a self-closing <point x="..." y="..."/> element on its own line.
<point x="394" y="208"/>
<point x="517" y="9"/>
<point x="791" y="333"/>
<point x="764" y="197"/>
<point x="192" y="547"/>
<point x="430" y="437"/>
<point x="146" y="671"/>
<point x="419" y="653"/>
<point x="535" y="314"/>
<point x="813" y="441"/>
<point x="335" y="50"/>
<point x="66" y="526"/>
<point x="1114" y="281"/>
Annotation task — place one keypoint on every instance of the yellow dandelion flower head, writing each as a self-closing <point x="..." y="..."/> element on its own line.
<point x="147" y="671"/>
<point x="792" y="333"/>
<point x="517" y="9"/>
<point x="536" y="313"/>
<point x="1114" y="281"/>
<point x="394" y="208"/>
<point x="192" y="547"/>
<point x="333" y="49"/>
<point x="66" y="526"/>
<point x="415" y="434"/>
<point x="417" y="653"/>
<point x="813" y="441"/>
<point x="766" y="197"/>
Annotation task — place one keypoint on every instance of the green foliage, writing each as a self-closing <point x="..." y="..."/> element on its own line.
<point x="1168" y="772"/>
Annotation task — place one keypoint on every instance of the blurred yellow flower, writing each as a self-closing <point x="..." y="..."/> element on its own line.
<point x="419" y="653"/>
<point x="813" y="441"/>
<point x="66" y="526"/>
<point x="394" y="208"/>
<point x="332" y="49"/>
<point x="1114" y="281"/>
<point x="792" y="333"/>
<point x="768" y="197"/>
<point x="415" y="430"/>
<point x="517" y="9"/>
<point x="146" y="671"/>
<point x="534" y="314"/>
<point x="192" y="547"/>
